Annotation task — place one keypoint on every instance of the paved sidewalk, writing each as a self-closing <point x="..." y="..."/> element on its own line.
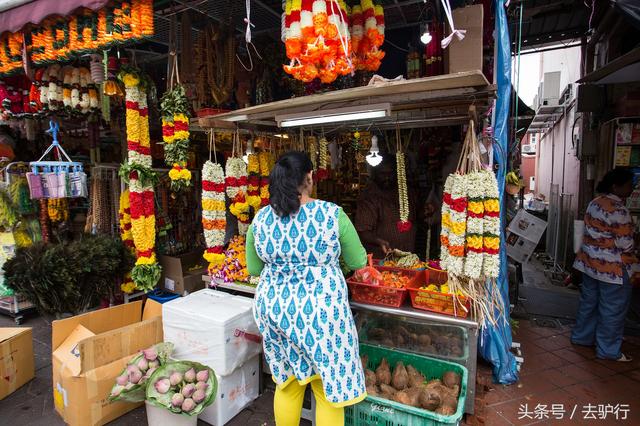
<point x="554" y="372"/>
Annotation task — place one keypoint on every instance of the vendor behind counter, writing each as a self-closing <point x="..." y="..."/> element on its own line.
<point x="377" y="212"/>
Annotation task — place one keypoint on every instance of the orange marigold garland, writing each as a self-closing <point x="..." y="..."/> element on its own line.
<point x="317" y="40"/>
<point x="236" y="181"/>
<point x="367" y="34"/>
<point x="137" y="171"/>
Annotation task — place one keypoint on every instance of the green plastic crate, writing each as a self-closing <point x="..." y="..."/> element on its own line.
<point x="374" y="411"/>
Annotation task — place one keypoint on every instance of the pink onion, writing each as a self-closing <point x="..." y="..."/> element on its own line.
<point x="175" y="378"/>
<point x="117" y="389"/>
<point x="201" y="386"/>
<point x="163" y="385"/>
<point x="177" y="399"/>
<point x="188" y="405"/>
<point x="143" y="364"/>
<point x="154" y="364"/>
<point x="135" y="376"/>
<point x="198" y="396"/>
<point x="188" y="390"/>
<point x="122" y="380"/>
<point x="150" y="354"/>
<point x="190" y="376"/>
<point x="202" y="376"/>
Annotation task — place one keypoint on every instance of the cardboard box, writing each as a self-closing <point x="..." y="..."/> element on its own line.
<point x="183" y="273"/>
<point x="90" y="351"/>
<point x="16" y="358"/>
<point x="465" y="54"/>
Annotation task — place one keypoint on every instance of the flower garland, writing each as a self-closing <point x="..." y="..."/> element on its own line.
<point x="446" y="223"/>
<point x="454" y="224"/>
<point x="491" y="224"/>
<point x="317" y="40"/>
<point x="175" y="135"/>
<point x="124" y="214"/>
<point x="266" y="160"/>
<point x="59" y="38"/>
<point x="475" y="219"/>
<point x="323" y="155"/>
<point x="236" y="183"/>
<point x="253" y="187"/>
<point x="367" y="35"/>
<point x="146" y="271"/>
<point x="58" y="210"/>
<point x="404" y="225"/>
<point x="214" y="221"/>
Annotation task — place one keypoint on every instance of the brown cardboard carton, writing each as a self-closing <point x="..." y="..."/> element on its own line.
<point x="16" y="358"/>
<point x="90" y="351"/>
<point x="178" y="272"/>
<point x="466" y="54"/>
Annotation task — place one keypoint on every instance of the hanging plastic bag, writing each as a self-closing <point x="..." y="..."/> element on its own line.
<point x="369" y="274"/>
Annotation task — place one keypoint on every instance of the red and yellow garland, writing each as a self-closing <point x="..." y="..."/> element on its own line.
<point x="128" y="286"/>
<point x="367" y="35"/>
<point x="146" y="272"/>
<point x="253" y="184"/>
<point x="214" y="212"/>
<point x="267" y="161"/>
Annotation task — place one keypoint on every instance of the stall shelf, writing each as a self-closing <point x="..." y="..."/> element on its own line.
<point x="466" y="329"/>
<point x="230" y="286"/>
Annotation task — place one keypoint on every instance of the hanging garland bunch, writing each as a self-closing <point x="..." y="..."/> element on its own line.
<point x="124" y="215"/>
<point x="214" y="221"/>
<point x="367" y="35"/>
<point x="253" y="186"/>
<point x="236" y="182"/>
<point x="323" y="155"/>
<point x="491" y="224"/>
<point x="475" y="221"/>
<point x="404" y="225"/>
<point x="266" y="160"/>
<point x="175" y="135"/>
<point x="137" y="171"/>
<point x="454" y="224"/>
<point x="317" y="40"/>
<point x="58" y="210"/>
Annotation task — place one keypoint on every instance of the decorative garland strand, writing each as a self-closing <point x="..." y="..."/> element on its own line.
<point x="214" y="221"/>
<point x="146" y="271"/>
<point x="267" y="161"/>
<point x="475" y="220"/>
<point x="236" y="181"/>
<point x="404" y="225"/>
<point x="491" y="224"/>
<point x="175" y="135"/>
<point x="253" y="186"/>
<point x="323" y="155"/>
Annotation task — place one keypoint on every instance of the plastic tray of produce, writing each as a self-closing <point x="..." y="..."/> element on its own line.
<point x="433" y="295"/>
<point x="427" y="338"/>
<point x="380" y="411"/>
<point x="393" y="294"/>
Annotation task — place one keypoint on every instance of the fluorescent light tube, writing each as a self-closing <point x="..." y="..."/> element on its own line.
<point x="365" y="112"/>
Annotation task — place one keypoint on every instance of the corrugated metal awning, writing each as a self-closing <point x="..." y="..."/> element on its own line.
<point x="34" y="12"/>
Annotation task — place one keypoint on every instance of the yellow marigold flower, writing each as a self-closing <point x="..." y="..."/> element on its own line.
<point x="492" y="205"/>
<point x="213" y="205"/>
<point x="476" y="207"/>
<point x="174" y="174"/>
<point x="214" y="259"/>
<point x="458" y="228"/>
<point x="185" y="174"/>
<point x="492" y="242"/>
<point x="146" y="260"/>
<point x="130" y="80"/>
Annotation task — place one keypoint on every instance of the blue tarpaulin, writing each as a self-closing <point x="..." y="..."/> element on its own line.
<point x="495" y="342"/>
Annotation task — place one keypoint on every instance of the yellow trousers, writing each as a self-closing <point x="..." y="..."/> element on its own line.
<point x="287" y="405"/>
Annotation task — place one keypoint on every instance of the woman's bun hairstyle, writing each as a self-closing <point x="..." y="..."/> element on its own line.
<point x="285" y="181"/>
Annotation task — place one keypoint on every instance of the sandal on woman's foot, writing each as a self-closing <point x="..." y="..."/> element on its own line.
<point x="624" y="358"/>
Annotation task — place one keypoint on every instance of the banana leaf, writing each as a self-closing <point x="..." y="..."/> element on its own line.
<point x="164" y="400"/>
<point x="136" y="392"/>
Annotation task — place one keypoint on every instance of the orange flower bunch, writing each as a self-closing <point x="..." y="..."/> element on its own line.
<point x="317" y="40"/>
<point x="60" y="38"/>
<point x="367" y="35"/>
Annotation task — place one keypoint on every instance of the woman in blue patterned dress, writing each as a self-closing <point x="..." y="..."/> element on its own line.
<point x="301" y="304"/>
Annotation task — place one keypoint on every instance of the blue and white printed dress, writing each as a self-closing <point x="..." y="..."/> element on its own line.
<point x="302" y="306"/>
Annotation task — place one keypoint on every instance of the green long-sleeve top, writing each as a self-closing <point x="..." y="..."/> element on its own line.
<point x="353" y="253"/>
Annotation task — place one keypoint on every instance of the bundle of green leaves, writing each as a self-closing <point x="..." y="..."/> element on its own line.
<point x="70" y="277"/>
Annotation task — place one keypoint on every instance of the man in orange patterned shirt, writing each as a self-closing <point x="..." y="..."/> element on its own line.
<point x="605" y="259"/>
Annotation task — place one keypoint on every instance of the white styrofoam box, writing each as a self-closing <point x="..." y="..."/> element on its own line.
<point x="235" y="392"/>
<point x="212" y="328"/>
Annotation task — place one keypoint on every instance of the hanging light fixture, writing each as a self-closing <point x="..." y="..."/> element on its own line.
<point x="374" y="158"/>
<point x="248" y="152"/>
<point x="426" y="37"/>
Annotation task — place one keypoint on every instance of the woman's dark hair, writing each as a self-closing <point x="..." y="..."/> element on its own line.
<point x="285" y="179"/>
<point x="618" y="176"/>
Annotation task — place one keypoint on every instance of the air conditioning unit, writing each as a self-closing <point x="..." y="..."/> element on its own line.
<point x="549" y="90"/>
<point x="529" y="149"/>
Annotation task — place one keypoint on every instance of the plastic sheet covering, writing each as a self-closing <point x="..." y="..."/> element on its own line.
<point x="495" y="342"/>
